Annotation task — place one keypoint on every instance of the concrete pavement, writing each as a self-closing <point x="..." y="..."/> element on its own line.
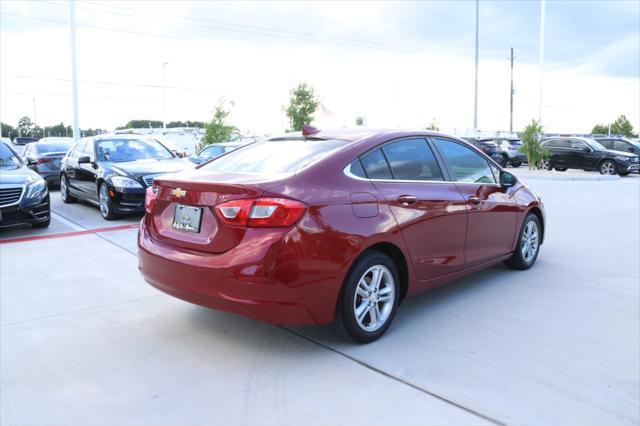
<point x="86" y="341"/>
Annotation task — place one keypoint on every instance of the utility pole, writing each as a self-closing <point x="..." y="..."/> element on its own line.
<point x="511" y="96"/>
<point x="541" y="59"/>
<point x="475" y="93"/>
<point x="164" y="98"/>
<point x="74" y="70"/>
<point x="34" y="115"/>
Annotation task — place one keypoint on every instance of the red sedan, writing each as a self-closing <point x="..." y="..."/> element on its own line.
<point x="335" y="225"/>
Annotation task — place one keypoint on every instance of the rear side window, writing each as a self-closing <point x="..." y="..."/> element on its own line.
<point x="375" y="165"/>
<point x="274" y="157"/>
<point x="466" y="164"/>
<point x="412" y="159"/>
<point x="607" y="143"/>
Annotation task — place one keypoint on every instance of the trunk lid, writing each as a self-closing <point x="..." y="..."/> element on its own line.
<point x="203" y="191"/>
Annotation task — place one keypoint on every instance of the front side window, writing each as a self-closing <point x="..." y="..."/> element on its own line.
<point x="465" y="164"/>
<point x="578" y="145"/>
<point x="87" y="150"/>
<point x="121" y="150"/>
<point x="412" y="159"/>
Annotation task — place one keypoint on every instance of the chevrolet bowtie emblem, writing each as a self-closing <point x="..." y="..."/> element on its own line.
<point x="178" y="192"/>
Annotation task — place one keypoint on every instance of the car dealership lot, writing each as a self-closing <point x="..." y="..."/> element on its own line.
<point x="86" y="341"/>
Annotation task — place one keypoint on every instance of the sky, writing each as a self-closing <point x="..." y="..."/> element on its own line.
<point x="398" y="64"/>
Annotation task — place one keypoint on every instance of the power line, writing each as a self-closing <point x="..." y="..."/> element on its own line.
<point x="114" y="83"/>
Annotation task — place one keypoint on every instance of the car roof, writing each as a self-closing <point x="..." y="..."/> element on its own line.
<point x="353" y="134"/>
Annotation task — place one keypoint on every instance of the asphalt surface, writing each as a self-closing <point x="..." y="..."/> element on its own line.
<point x="85" y="341"/>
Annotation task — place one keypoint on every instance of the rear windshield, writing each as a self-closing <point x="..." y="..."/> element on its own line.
<point x="274" y="157"/>
<point x="53" y="147"/>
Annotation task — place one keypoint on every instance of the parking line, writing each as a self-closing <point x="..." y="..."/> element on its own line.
<point x="69" y="234"/>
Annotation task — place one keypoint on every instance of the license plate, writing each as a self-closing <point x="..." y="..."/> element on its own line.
<point x="187" y="218"/>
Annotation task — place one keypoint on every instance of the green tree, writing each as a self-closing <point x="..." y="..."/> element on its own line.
<point x="622" y="126"/>
<point x="531" y="146"/>
<point x="218" y="130"/>
<point x="600" y="129"/>
<point x="8" y="131"/>
<point x="303" y="103"/>
<point x="25" y="126"/>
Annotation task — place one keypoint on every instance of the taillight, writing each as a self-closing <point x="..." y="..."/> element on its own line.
<point x="261" y="213"/>
<point x="44" y="160"/>
<point x="150" y="199"/>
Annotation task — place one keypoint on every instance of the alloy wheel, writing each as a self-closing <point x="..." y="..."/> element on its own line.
<point x="63" y="188"/>
<point x="374" y="298"/>
<point x="529" y="243"/>
<point x="607" y="168"/>
<point x="104" y="200"/>
<point x="545" y="164"/>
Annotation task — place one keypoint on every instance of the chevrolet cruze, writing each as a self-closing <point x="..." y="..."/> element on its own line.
<point x="335" y="225"/>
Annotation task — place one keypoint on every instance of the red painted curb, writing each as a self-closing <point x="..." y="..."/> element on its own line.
<point x="68" y="234"/>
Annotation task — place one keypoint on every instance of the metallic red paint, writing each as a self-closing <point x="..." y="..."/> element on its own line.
<point x="294" y="275"/>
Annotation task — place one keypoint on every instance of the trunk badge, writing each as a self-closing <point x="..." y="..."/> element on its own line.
<point x="178" y="192"/>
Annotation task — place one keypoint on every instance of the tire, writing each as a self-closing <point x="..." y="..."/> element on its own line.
<point x="608" y="167"/>
<point x="106" y="205"/>
<point x="561" y="169"/>
<point x="365" y="309"/>
<point x="545" y="165"/>
<point x="516" y="164"/>
<point x="522" y="258"/>
<point x="67" y="198"/>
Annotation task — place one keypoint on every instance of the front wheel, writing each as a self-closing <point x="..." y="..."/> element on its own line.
<point x="369" y="298"/>
<point x="106" y="205"/>
<point x="67" y="198"/>
<point x="528" y="245"/>
<point x="608" y="167"/>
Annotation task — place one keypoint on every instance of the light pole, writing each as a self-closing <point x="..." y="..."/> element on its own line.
<point x="164" y="96"/>
<point x="475" y="91"/>
<point x="541" y="59"/>
<point x="74" y="71"/>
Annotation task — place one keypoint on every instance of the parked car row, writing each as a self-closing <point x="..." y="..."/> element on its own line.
<point x="591" y="154"/>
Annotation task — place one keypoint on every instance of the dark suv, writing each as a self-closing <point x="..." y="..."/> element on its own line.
<point x="619" y="144"/>
<point x="587" y="154"/>
<point x="490" y="148"/>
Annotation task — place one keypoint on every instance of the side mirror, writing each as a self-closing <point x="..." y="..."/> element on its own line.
<point x="630" y="149"/>
<point x="84" y="159"/>
<point x="586" y="149"/>
<point x="507" y="180"/>
<point x="31" y="161"/>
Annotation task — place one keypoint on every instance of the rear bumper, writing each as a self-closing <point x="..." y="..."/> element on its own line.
<point x="251" y="280"/>
<point x="518" y="158"/>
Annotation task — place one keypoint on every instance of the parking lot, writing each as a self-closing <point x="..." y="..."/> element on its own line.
<point x="85" y="341"/>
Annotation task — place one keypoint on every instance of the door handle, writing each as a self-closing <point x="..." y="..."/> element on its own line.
<point x="474" y="200"/>
<point x="407" y="200"/>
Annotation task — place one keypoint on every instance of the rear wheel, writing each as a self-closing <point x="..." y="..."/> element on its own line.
<point x="106" y="205"/>
<point x="608" y="167"/>
<point x="64" y="191"/>
<point x="528" y="245"/>
<point x="369" y="298"/>
<point x="545" y="165"/>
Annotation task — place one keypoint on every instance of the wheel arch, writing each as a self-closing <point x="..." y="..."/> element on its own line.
<point x="615" y="164"/>
<point x="538" y="213"/>
<point x="397" y="257"/>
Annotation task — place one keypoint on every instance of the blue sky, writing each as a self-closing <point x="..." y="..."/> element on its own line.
<point x="396" y="42"/>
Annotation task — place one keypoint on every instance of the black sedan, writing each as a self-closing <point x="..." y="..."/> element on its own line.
<point x="113" y="171"/>
<point x="587" y="154"/>
<point x="24" y="196"/>
<point x="44" y="158"/>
